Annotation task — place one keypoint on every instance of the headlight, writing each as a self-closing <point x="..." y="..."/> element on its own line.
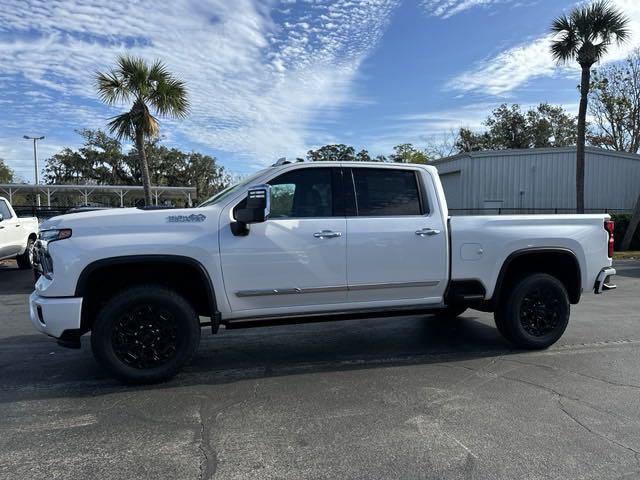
<point x="54" y="235"/>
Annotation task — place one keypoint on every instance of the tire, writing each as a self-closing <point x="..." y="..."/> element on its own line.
<point x="535" y="313"/>
<point x="145" y="334"/>
<point x="451" y="311"/>
<point x="25" y="261"/>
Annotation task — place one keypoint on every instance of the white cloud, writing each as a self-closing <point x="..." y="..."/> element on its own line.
<point x="256" y="82"/>
<point x="517" y="65"/>
<point x="449" y="8"/>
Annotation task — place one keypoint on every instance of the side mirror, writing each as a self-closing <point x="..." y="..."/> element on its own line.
<point x="256" y="209"/>
<point x="1" y="217"/>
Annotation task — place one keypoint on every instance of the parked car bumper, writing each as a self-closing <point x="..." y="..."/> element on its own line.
<point x="603" y="280"/>
<point x="54" y="316"/>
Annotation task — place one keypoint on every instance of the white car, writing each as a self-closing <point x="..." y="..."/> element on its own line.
<point x="17" y="235"/>
<point x="306" y="242"/>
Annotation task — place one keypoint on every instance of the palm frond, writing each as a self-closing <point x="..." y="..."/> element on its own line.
<point x="587" y="32"/>
<point x="561" y="24"/>
<point x="111" y="88"/>
<point x="158" y="72"/>
<point x="170" y="99"/>
<point x="122" y="126"/>
<point x="135" y="72"/>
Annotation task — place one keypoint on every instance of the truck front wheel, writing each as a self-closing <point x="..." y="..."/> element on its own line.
<point x="535" y="313"/>
<point x="145" y="334"/>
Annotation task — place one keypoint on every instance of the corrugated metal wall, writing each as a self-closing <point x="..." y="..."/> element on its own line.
<point x="540" y="179"/>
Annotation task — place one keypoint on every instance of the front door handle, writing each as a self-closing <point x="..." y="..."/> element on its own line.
<point x="327" y="234"/>
<point x="427" y="232"/>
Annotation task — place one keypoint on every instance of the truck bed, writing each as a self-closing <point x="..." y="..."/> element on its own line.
<point x="480" y="245"/>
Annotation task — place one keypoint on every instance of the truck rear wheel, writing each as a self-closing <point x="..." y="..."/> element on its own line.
<point x="145" y="334"/>
<point x="535" y="313"/>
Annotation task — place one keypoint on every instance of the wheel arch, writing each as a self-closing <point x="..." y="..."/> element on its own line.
<point x="103" y="278"/>
<point x="559" y="262"/>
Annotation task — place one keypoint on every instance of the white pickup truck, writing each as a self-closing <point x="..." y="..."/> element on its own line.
<point x="306" y="242"/>
<point x="17" y="235"/>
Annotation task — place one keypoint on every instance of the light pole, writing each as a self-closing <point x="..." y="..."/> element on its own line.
<point x="35" y="160"/>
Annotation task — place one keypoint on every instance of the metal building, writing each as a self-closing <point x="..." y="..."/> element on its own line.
<point x="538" y="180"/>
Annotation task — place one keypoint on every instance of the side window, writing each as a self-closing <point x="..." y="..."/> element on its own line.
<point x="4" y="210"/>
<point x="307" y="192"/>
<point x="386" y="192"/>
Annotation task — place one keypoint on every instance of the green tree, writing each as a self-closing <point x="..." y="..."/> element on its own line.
<point x="585" y="36"/>
<point x="6" y="174"/>
<point x="614" y="105"/>
<point x="100" y="160"/>
<point x="469" y="141"/>
<point x="332" y="153"/>
<point x="551" y="126"/>
<point x="508" y="127"/>
<point x="407" y="153"/>
<point x="206" y="176"/>
<point x="363" y="156"/>
<point x="172" y="167"/>
<point x="146" y="86"/>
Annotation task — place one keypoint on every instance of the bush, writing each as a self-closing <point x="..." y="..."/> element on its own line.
<point x="622" y="222"/>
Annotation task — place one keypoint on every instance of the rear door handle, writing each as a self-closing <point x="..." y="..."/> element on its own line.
<point x="327" y="234"/>
<point x="427" y="232"/>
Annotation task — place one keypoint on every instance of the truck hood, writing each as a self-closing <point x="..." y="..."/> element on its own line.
<point x="130" y="219"/>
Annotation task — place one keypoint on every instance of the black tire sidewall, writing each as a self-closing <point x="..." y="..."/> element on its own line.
<point x="23" y="260"/>
<point x="188" y="333"/>
<point x="512" y="325"/>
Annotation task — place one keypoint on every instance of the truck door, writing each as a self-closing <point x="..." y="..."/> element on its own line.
<point x="396" y="237"/>
<point x="10" y="232"/>
<point x="298" y="256"/>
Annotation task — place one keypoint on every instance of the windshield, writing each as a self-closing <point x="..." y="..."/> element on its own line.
<point x="229" y="191"/>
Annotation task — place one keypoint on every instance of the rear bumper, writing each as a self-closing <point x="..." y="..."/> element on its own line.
<point x="603" y="280"/>
<point x="55" y="315"/>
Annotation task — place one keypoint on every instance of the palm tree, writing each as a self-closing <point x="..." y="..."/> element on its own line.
<point x="147" y="86"/>
<point x="585" y="35"/>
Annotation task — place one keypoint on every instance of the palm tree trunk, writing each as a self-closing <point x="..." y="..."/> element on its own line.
<point x="144" y="167"/>
<point x="582" y="126"/>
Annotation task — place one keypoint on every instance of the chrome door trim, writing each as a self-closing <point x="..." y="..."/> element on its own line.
<point x="336" y="288"/>
<point x="289" y="291"/>
<point x="373" y="286"/>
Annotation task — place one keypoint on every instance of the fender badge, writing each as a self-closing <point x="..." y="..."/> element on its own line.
<point x="186" y="218"/>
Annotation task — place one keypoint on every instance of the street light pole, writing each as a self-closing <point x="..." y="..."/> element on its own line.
<point x="35" y="160"/>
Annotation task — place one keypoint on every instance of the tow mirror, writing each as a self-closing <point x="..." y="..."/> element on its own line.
<point x="256" y="209"/>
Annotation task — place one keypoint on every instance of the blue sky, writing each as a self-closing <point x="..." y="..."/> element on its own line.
<point x="275" y="78"/>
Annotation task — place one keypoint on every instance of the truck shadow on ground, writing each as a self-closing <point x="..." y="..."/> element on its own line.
<point x="34" y="367"/>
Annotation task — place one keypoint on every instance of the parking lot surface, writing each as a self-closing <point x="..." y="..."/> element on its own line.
<point x="401" y="398"/>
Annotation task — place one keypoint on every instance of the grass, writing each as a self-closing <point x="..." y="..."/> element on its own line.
<point x="628" y="255"/>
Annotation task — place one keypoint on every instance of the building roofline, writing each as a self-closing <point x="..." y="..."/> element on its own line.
<point x="537" y="151"/>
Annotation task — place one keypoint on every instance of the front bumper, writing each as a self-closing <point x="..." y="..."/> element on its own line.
<point x="603" y="279"/>
<point x="53" y="316"/>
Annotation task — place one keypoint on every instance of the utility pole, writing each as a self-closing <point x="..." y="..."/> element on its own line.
<point x="35" y="160"/>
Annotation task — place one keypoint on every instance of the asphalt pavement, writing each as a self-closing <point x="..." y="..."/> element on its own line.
<point x="402" y="398"/>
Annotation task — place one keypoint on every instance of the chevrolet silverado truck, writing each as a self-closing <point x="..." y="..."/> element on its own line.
<point x="303" y="242"/>
<point x="17" y="235"/>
